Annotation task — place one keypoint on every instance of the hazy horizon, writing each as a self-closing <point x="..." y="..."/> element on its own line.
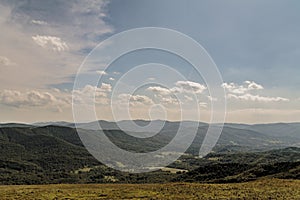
<point x="37" y="122"/>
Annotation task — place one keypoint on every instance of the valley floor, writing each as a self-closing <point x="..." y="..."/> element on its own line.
<point x="260" y="189"/>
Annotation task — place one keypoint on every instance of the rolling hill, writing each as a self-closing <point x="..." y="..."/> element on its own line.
<point x="36" y="154"/>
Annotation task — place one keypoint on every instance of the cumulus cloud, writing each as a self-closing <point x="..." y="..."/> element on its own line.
<point x="68" y="28"/>
<point x="159" y="90"/>
<point x="45" y="67"/>
<point x="50" y="42"/>
<point x="180" y="87"/>
<point x="243" y="92"/>
<point x="90" y="94"/>
<point x="241" y="89"/>
<point x="34" y="98"/>
<point x="101" y="72"/>
<point x="135" y="100"/>
<point x="82" y="21"/>
<point x="38" y="22"/>
<point x="185" y="90"/>
<point x="5" y="61"/>
<point x="251" y="85"/>
<point x="169" y="101"/>
<point x="189" y="87"/>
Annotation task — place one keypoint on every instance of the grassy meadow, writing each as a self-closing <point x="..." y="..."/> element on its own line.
<point x="260" y="189"/>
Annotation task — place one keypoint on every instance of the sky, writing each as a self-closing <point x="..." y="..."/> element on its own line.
<point x="255" y="45"/>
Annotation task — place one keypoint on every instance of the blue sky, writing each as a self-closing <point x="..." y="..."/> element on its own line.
<point x="245" y="38"/>
<point x="255" y="45"/>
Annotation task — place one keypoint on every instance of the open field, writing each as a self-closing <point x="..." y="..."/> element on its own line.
<point x="261" y="189"/>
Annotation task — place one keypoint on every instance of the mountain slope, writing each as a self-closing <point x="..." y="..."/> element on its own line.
<point x="55" y="154"/>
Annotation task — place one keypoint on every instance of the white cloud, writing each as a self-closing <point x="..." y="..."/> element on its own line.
<point x="38" y="22"/>
<point x="82" y="21"/>
<point x="141" y="99"/>
<point x="159" y="90"/>
<point x="243" y="92"/>
<point x="34" y="98"/>
<point x="135" y="100"/>
<point x="86" y="95"/>
<point x="250" y="97"/>
<point x="189" y="87"/>
<point x="169" y="101"/>
<point x="5" y="61"/>
<point x="34" y="68"/>
<point x="253" y="86"/>
<point x="242" y="89"/>
<point x="76" y="26"/>
<point x="182" y="88"/>
<point x="105" y="87"/>
<point x="101" y="72"/>
<point x="51" y="42"/>
<point x="90" y="91"/>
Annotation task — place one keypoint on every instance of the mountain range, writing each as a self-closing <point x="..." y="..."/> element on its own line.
<point x="52" y="152"/>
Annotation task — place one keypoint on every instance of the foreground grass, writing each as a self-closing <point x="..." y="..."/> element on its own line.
<point x="261" y="189"/>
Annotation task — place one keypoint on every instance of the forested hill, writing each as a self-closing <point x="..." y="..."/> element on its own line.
<point x="36" y="154"/>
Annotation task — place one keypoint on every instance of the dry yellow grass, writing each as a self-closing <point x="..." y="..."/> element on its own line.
<point x="261" y="189"/>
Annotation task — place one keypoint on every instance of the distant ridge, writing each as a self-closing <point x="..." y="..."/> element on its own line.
<point x="48" y="153"/>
